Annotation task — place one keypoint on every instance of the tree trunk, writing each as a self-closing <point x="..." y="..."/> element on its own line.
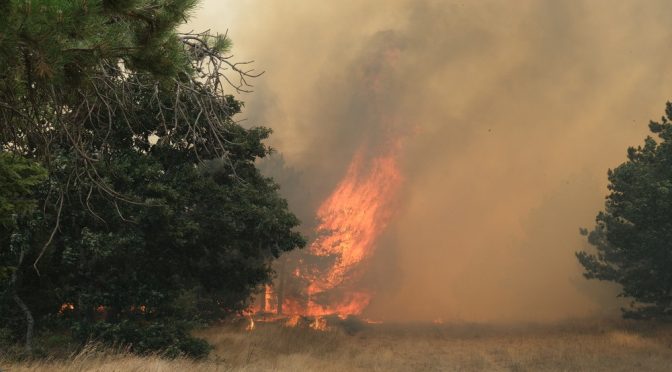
<point x="262" y="300"/>
<point x="280" y="293"/>
<point x="30" y="322"/>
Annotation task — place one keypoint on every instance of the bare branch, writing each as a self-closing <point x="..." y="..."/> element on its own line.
<point x="53" y="233"/>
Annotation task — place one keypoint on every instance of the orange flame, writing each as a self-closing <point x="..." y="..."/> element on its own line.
<point x="250" y="325"/>
<point x="269" y="299"/>
<point x="352" y="218"/>
<point x="293" y="321"/>
<point x="319" y="324"/>
<point x="66" y="307"/>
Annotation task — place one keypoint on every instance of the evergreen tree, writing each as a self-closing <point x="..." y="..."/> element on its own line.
<point x="154" y="213"/>
<point x="69" y="71"/>
<point x="18" y="177"/>
<point x="633" y="235"/>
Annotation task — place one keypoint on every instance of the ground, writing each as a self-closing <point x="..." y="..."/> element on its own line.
<point x="568" y="346"/>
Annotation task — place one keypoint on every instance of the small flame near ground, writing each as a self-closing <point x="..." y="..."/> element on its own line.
<point x="293" y="321"/>
<point x="319" y="324"/>
<point x="250" y="325"/>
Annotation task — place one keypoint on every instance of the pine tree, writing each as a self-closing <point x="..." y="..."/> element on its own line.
<point x="18" y="178"/>
<point x="152" y="194"/>
<point x="633" y="236"/>
<point x="68" y="67"/>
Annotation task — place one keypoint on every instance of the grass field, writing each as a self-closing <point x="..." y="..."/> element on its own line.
<point x="575" y="346"/>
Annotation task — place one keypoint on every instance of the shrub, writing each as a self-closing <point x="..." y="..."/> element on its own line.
<point x="170" y="340"/>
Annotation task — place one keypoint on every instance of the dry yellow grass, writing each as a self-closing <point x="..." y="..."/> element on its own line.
<point x="582" y="346"/>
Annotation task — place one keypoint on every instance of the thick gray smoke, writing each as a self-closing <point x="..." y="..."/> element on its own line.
<point x="511" y="112"/>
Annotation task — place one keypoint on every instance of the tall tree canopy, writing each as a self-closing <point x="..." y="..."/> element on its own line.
<point x="633" y="235"/>
<point x="153" y="212"/>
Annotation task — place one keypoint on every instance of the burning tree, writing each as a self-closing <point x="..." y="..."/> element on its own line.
<point x="324" y="279"/>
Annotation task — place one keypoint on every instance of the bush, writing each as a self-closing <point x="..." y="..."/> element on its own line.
<point x="170" y="340"/>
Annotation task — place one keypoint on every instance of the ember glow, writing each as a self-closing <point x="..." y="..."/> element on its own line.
<point x="66" y="307"/>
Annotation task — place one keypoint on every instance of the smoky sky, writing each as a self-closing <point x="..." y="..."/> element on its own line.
<point x="510" y="113"/>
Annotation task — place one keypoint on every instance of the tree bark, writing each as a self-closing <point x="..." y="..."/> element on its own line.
<point x="30" y="322"/>
<point x="262" y="300"/>
<point x="281" y="286"/>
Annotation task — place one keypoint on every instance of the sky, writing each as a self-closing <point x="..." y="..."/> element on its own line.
<point x="510" y="115"/>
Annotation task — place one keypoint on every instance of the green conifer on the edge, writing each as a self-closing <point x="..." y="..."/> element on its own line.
<point x="633" y="236"/>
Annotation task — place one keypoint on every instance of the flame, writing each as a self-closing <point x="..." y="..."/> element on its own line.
<point x="293" y="306"/>
<point x="352" y="218"/>
<point x="269" y="299"/>
<point x="293" y="321"/>
<point x="250" y="326"/>
<point x="142" y="309"/>
<point x="319" y="324"/>
<point x="353" y="305"/>
<point x="66" y="307"/>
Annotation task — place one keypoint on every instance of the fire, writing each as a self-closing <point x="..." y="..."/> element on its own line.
<point x="66" y="307"/>
<point x="319" y="324"/>
<point x="353" y="304"/>
<point x="250" y="325"/>
<point x="324" y="280"/>
<point x="352" y="218"/>
<point x="270" y="305"/>
<point x="142" y="309"/>
<point x="293" y="321"/>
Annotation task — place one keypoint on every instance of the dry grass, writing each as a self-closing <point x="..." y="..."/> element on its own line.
<point x="596" y="346"/>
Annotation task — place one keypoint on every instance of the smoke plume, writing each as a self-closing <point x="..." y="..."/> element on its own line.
<point x="510" y="114"/>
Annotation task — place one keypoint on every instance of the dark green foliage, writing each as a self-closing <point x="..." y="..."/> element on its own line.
<point x="208" y="229"/>
<point x="77" y="72"/>
<point x="171" y="339"/>
<point x="57" y="40"/>
<point x="633" y="236"/>
<point x="18" y="177"/>
<point x="153" y="213"/>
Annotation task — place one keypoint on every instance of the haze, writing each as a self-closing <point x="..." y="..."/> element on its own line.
<point x="510" y="113"/>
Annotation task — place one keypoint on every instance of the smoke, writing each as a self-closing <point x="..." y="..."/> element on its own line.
<point x="510" y="115"/>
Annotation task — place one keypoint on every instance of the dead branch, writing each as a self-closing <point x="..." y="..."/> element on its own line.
<point x="53" y="233"/>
